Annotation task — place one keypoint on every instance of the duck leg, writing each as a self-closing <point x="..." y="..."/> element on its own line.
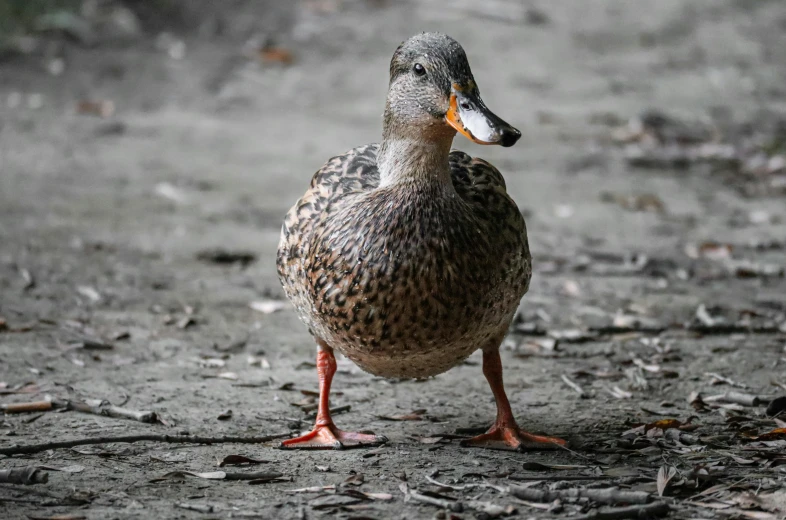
<point x="325" y="435"/>
<point x="505" y="434"/>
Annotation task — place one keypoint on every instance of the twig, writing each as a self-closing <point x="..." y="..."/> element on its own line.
<point x="101" y="407"/>
<point x="92" y="406"/>
<point x="465" y="486"/>
<point x="200" y="508"/>
<point x="617" y="513"/>
<point x="568" y="381"/>
<point x="35" y="406"/>
<point x="27" y="475"/>
<point x="456" y="507"/>
<point x="558" y="478"/>
<point x="737" y="398"/>
<point x="605" y="495"/>
<point x="181" y="439"/>
<point x="259" y="475"/>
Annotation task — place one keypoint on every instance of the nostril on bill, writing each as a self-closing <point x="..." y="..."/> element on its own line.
<point x="509" y="136"/>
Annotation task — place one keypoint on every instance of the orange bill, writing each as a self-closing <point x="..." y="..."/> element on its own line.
<point x="469" y="116"/>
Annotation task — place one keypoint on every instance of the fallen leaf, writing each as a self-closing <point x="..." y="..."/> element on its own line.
<point x="664" y="477"/>
<point x="709" y="250"/>
<point x="225" y="416"/>
<point x="619" y="393"/>
<point x="174" y="475"/>
<point x="237" y="460"/>
<point x="225" y="257"/>
<point x="776" y="434"/>
<point x="101" y="108"/>
<point x="430" y="440"/>
<point x="74" y="468"/>
<point x="270" y="478"/>
<point x="268" y="306"/>
<point x="332" y="501"/>
<point x="171" y="192"/>
<point x="276" y="55"/>
<point x="212" y="363"/>
<point x="355" y="480"/>
<point x="635" y="202"/>
<point x="89" y="293"/>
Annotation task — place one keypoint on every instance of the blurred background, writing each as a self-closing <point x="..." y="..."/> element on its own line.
<point x="150" y="149"/>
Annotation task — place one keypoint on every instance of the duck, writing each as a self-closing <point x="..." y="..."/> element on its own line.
<point x="407" y="256"/>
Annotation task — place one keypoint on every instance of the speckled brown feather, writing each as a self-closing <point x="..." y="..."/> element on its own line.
<point x="407" y="280"/>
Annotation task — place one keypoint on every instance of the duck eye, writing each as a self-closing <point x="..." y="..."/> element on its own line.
<point x="419" y="69"/>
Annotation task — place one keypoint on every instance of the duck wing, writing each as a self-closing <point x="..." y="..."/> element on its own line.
<point x="348" y="174"/>
<point x="481" y="186"/>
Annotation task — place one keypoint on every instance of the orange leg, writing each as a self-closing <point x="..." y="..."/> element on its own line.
<point x="325" y="435"/>
<point x="505" y="434"/>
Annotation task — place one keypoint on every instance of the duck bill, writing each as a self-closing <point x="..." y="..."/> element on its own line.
<point x="469" y="116"/>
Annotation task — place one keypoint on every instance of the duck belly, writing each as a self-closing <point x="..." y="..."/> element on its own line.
<point x="412" y="361"/>
<point x="414" y="337"/>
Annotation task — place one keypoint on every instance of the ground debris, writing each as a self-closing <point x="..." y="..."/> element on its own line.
<point x="268" y="306"/>
<point x="754" y="162"/>
<point x="239" y="460"/>
<point x="177" y="439"/>
<point x="253" y="478"/>
<point x="415" y="415"/>
<point x="648" y="202"/>
<point x="656" y="509"/>
<point x="27" y="475"/>
<point x="102" y="108"/>
<point x="199" y="508"/>
<point x="225" y="256"/>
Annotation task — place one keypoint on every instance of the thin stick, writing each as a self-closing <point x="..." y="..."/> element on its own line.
<point x="604" y="496"/>
<point x="181" y="439"/>
<point x="34" y="406"/>
<point x="100" y="407"/>
<point x="92" y="406"/>
<point x="574" y="386"/>
<point x="617" y="513"/>
<point x="442" y="503"/>
<point x="738" y="398"/>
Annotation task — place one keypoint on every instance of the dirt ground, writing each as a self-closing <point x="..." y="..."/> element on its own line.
<point x="658" y="264"/>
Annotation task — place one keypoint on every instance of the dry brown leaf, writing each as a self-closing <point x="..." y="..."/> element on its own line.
<point x="776" y="434"/>
<point x="101" y="108"/>
<point x="276" y="55"/>
<point x="663" y="424"/>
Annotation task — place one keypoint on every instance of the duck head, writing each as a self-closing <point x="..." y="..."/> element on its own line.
<point x="432" y="94"/>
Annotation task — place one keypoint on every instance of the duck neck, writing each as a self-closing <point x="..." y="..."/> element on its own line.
<point x="414" y="156"/>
